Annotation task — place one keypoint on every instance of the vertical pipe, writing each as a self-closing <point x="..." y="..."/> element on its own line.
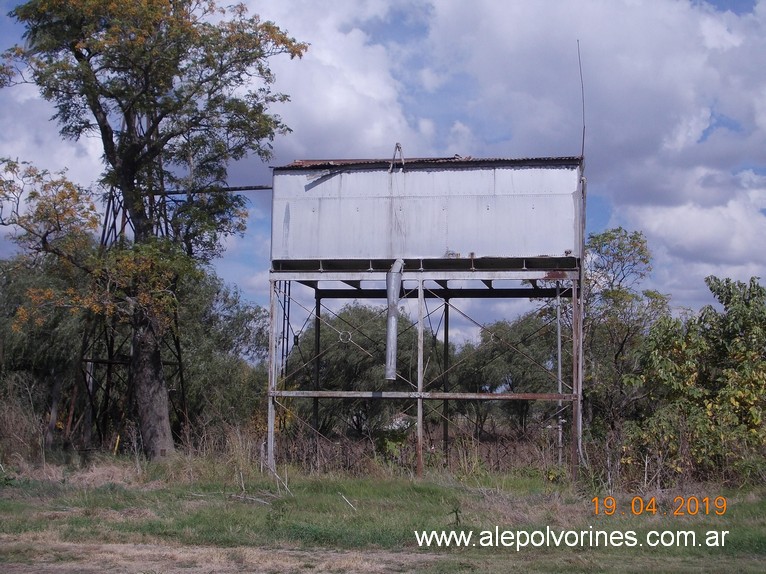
<point x="445" y="383"/>
<point x="272" y="374"/>
<point x="421" y="307"/>
<point x="393" y="287"/>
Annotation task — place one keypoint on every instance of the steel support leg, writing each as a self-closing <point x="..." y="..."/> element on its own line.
<point x="273" y="367"/>
<point x="421" y="311"/>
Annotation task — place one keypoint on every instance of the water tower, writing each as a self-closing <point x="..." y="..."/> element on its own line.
<point x="440" y="229"/>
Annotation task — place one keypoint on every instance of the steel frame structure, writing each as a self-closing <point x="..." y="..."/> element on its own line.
<point x="540" y="251"/>
<point x="321" y="283"/>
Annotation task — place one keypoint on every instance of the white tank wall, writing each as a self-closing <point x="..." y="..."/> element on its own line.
<point x="453" y="212"/>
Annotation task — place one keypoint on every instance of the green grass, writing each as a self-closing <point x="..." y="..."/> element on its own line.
<point x="381" y="513"/>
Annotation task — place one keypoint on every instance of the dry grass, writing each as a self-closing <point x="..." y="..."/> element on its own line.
<point x="185" y="515"/>
<point x="47" y="553"/>
<point x="20" y="435"/>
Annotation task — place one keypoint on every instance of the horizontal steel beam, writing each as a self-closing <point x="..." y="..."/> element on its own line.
<point x="433" y="396"/>
<point x="212" y="189"/>
<point x="361" y="293"/>
<point x="477" y="275"/>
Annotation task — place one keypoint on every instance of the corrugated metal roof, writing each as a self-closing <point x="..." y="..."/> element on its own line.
<point x="455" y="161"/>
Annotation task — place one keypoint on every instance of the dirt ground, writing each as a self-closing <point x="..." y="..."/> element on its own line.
<point x="37" y="553"/>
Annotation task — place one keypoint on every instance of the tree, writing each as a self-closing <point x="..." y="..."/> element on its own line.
<point x="706" y="374"/>
<point x="54" y="220"/>
<point x="618" y="315"/>
<point x="352" y="353"/>
<point x="37" y="359"/>
<point x="225" y="342"/>
<point x="175" y="90"/>
<point x="510" y="357"/>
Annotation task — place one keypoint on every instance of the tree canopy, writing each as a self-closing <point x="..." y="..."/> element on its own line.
<point x="706" y="377"/>
<point x="175" y="90"/>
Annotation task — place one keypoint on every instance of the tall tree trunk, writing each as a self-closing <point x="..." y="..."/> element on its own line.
<point x="151" y="391"/>
<point x="149" y="384"/>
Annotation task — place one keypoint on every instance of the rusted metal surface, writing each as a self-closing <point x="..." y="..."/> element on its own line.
<point x="429" y="162"/>
<point x="421" y="378"/>
<point x="542" y="266"/>
<point x="273" y="376"/>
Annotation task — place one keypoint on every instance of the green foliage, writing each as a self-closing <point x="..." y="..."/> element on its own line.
<point x="709" y="374"/>
<point x="223" y="341"/>
<point x="512" y="357"/>
<point x="352" y="357"/>
<point x="617" y="260"/>
<point x="174" y="91"/>
<point x="48" y="212"/>
<point x="49" y="343"/>
<point x="617" y="318"/>
<point x="36" y="349"/>
<point x="55" y="221"/>
<point x="618" y="315"/>
<point x="201" y="220"/>
<point x="141" y="281"/>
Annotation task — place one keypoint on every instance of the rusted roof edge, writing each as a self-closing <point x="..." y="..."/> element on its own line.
<point x="421" y="163"/>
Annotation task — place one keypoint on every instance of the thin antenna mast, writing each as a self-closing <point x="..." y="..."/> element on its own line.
<point x="582" y="98"/>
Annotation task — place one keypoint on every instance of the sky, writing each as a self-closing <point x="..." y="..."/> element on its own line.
<point x="674" y="99"/>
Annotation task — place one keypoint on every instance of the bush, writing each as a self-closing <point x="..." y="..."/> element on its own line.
<point x="20" y="426"/>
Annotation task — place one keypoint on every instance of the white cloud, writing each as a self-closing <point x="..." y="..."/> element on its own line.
<point x="427" y="128"/>
<point x="724" y="234"/>
<point x="717" y="35"/>
<point x="759" y="109"/>
<point x="430" y="80"/>
<point x="689" y="130"/>
<point x="729" y="229"/>
<point x="27" y="134"/>
<point x="694" y="240"/>
<point x="657" y="81"/>
<point x="461" y="140"/>
<point x="344" y="97"/>
<point x="256" y="285"/>
<point x="675" y="96"/>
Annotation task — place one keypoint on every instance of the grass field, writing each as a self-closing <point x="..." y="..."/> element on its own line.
<point x="199" y="516"/>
